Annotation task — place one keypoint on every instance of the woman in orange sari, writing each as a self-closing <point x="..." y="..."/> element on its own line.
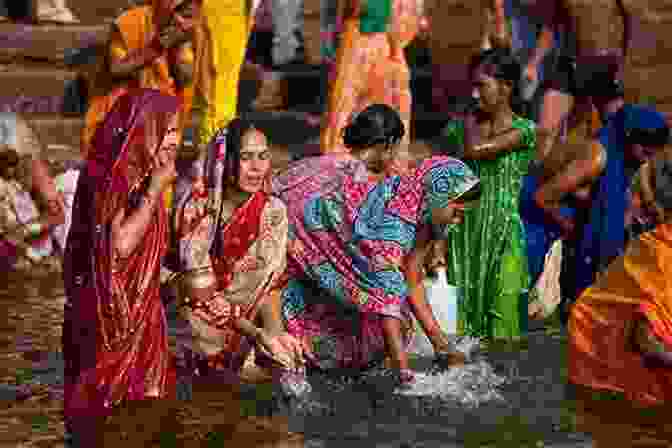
<point x="371" y="67"/>
<point x="149" y="47"/>
<point x="621" y="328"/>
<point x="115" y="341"/>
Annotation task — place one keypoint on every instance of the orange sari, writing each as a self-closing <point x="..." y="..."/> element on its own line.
<point x="601" y="354"/>
<point x="132" y="31"/>
<point x="370" y="69"/>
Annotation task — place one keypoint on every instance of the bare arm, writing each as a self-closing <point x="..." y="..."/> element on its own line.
<point x="478" y="148"/>
<point x="578" y="173"/>
<point x="124" y="65"/>
<point x="129" y="231"/>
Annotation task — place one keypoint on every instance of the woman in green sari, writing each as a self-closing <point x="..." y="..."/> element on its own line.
<point x="486" y="256"/>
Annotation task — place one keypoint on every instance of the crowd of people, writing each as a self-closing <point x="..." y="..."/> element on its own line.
<point x="321" y="266"/>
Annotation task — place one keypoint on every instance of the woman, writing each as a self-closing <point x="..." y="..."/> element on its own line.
<point x="231" y="257"/>
<point x="115" y="342"/>
<point x="595" y="177"/>
<point x="31" y="198"/>
<point x="487" y="254"/>
<point x="353" y="232"/>
<point x="620" y="327"/>
<point x="149" y="47"/>
<point x="371" y="66"/>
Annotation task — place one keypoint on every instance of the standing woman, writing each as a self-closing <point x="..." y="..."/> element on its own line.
<point x="487" y="254"/>
<point x="115" y="340"/>
<point x="371" y="66"/>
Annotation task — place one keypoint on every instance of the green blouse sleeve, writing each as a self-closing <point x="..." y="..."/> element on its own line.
<point x="529" y="134"/>
<point x="375" y="16"/>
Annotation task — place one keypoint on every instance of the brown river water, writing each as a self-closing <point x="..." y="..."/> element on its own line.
<point x="31" y="407"/>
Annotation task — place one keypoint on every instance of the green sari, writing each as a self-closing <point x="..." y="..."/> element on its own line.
<point x="487" y="254"/>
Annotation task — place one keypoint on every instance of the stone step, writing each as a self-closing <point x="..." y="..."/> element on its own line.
<point x="37" y="89"/>
<point x="48" y="43"/>
<point x="97" y="12"/>
<point x="286" y="129"/>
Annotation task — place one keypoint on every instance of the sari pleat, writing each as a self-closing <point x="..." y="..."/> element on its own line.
<point x="115" y="341"/>
<point x="601" y="350"/>
<point x="488" y="252"/>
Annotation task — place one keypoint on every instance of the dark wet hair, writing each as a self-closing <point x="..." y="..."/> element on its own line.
<point x="503" y="66"/>
<point x="233" y="136"/>
<point x="377" y="124"/>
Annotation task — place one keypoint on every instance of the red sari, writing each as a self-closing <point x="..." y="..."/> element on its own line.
<point x="115" y="340"/>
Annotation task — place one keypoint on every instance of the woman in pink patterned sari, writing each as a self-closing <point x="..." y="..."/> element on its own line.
<point x="233" y="246"/>
<point x="353" y="231"/>
<point x="115" y="341"/>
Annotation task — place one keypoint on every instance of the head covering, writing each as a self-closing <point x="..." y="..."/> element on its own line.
<point x="645" y="125"/>
<point x="124" y="311"/>
<point x="376" y="16"/>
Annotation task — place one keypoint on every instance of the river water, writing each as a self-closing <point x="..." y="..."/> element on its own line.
<point x="522" y="389"/>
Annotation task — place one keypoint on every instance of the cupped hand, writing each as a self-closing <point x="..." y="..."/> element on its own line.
<point x="284" y="349"/>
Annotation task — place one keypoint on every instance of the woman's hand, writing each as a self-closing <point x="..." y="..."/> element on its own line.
<point x="436" y="255"/>
<point x="453" y="213"/>
<point x="163" y="173"/>
<point x="284" y="349"/>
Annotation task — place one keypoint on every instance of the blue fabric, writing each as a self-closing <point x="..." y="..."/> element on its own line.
<point x="540" y="231"/>
<point x="601" y="229"/>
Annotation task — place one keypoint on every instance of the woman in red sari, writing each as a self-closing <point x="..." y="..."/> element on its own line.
<point x="115" y="340"/>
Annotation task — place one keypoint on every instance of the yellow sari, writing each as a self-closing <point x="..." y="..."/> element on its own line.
<point x="220" y="43"/>
<point x="637" y="285"/>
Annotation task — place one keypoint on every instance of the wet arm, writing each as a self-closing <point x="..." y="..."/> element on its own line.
<point x="477" y="148"/>
<point x="576" y="174"/>
<point x="128" y="232"/>
<point x="123" y="64"/>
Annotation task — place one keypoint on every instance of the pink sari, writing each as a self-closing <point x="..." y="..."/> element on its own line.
<point x="115" y="340"/>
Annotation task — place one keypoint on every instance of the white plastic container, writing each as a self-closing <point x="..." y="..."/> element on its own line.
<point x="443" y="299"/>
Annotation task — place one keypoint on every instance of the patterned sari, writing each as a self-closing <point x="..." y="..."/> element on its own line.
<point x="115" y="341"/>
<point x="370" y="71"/>
<point x="247" y="250"/>
<point x="601" y="352"/>
<point x="349" y="237"/>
